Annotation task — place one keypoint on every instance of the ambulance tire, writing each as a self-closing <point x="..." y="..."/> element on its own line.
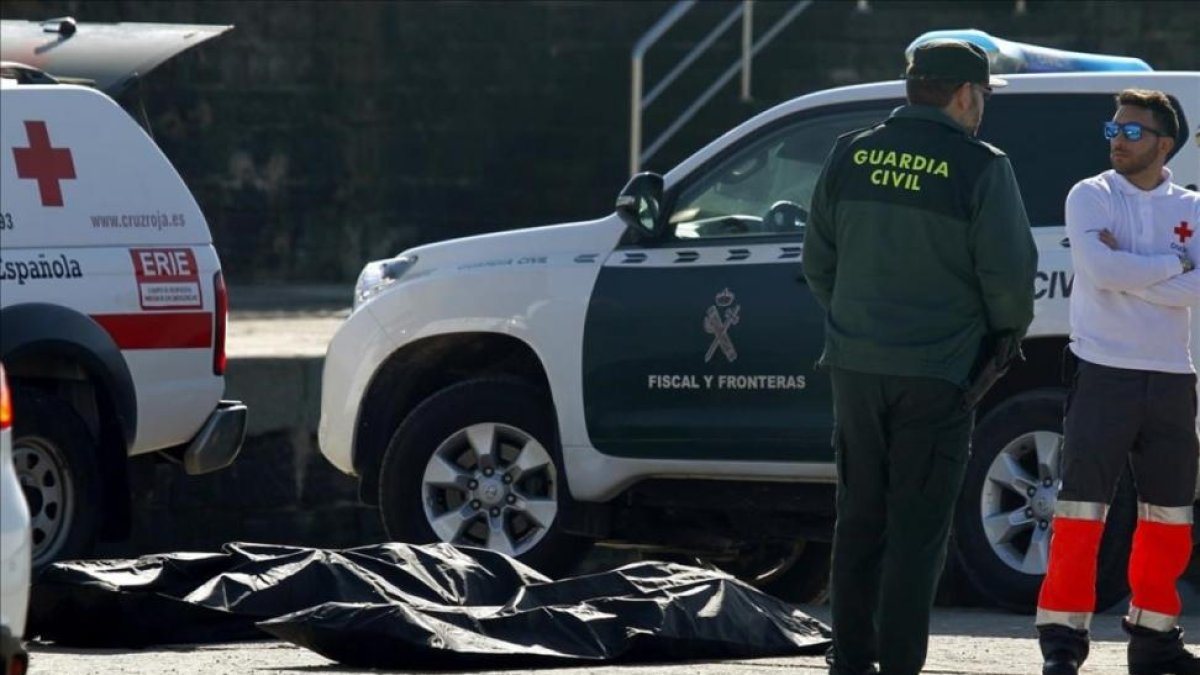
<point x="56" y="461"/>
<point x="806" y="579"/>
<point x="1010" y="429"/>
<point x="516" y="413"/>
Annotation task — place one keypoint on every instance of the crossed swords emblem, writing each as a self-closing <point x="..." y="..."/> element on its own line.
<point x="718" y="319"/>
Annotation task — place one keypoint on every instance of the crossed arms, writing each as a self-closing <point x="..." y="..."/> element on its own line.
<point x="1156" y="278"/>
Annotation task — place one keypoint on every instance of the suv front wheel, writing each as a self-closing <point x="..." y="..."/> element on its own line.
<point x="1003" y="522"/>
<point x="478" y="464"/>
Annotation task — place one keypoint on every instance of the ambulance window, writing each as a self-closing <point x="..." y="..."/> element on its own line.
<point x="730" y="198"/>
<point x="1064" y="145"/>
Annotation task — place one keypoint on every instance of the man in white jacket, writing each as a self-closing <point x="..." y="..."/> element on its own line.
<point x="1133" y="401"/>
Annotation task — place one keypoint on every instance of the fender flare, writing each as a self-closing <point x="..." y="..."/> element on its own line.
<point x="31" y="329"/>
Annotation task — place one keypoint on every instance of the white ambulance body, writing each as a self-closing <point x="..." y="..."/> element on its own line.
<point x="112" y="305"/>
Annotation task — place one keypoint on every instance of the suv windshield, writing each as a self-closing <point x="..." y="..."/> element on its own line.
<point x="731" y="198"/>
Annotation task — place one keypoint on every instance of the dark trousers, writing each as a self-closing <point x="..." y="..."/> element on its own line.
<point x="902" y="445"/>
<point x="1117" y="418"/>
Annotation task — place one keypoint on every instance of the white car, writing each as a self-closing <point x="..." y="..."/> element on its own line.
<point x="15" y="546"/>
<point x="647" y="379"/>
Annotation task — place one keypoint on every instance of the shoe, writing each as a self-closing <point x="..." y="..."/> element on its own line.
<point x="1181" y="663"/>
<point x="1064" y="649"/>
<point x="834" y="670"/>
<point x="1153" y="652"/>
<point x="1184" y="665"/>
<point x="1061" y="663"/>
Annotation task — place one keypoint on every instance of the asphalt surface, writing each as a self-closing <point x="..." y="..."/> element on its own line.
<point x="299" y="321"/>
<point x="964" y="642"/>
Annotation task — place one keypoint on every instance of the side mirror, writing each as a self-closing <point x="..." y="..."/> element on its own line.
<point x="639" y="204"/>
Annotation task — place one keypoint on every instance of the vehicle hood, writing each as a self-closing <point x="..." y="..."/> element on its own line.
<point x="594" y="237"/>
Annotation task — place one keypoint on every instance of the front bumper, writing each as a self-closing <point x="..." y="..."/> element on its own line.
<point x="352" y="361"/>
<point x="217" y="443"/>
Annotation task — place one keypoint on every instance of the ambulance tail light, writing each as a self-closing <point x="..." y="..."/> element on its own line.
<point x="18" y="664"/>
<point x="220" y="320"/>
<point x="5" y="402"/>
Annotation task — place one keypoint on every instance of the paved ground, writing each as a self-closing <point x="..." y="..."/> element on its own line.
<point x="965" y="642"/>
<point x="973" y="642"/>
<point x="263" y="335"/>
<point x="284" y="321"/>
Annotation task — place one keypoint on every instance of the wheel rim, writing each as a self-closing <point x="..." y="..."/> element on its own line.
<point x="1018" y="499"/>
<point x="765" y="563"/>
<point x="44" y="477"/>
<point x="493" y="486"/>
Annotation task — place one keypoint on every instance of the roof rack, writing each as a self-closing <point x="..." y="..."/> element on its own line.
<point x="24" y="74"/>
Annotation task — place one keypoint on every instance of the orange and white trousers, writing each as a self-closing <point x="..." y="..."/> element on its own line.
<point x="1118" y="418"/>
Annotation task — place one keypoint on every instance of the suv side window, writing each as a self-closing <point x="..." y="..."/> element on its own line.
<point x="731" y="198"/>
<point x="1053" y="142"/>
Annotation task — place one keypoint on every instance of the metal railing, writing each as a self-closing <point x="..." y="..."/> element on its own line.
<point x="744" y="11"/>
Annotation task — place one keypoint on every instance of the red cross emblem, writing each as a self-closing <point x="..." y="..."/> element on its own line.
<point x="43" y="163"/>
<point x="1184" y="231"/>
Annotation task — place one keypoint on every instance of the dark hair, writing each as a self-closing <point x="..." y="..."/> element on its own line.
<point x="936" y="93"/>
<point x="1157" y="103"/>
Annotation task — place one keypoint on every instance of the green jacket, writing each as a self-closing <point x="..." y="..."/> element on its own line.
<point x="917" y="247"/>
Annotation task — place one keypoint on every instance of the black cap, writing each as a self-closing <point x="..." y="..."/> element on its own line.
<point x="953" y="61"/>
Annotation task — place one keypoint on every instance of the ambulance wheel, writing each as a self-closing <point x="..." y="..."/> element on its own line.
<point x="1003" y="521"/>
<point x="478" y="464"/>
<point x="55" y="458"/>
<point x="804" y="578"/>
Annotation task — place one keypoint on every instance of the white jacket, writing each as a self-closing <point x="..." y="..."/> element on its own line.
<point x="1132" y="308"/>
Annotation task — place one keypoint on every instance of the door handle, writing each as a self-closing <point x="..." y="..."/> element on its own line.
<point x="1065" y="243"/>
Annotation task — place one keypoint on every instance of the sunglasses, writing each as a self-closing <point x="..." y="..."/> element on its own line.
<point x="986" y="91"/>
<point x="1131" y="130"/>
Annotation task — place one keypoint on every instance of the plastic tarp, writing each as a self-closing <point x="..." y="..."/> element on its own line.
<point x="401" y="606"/>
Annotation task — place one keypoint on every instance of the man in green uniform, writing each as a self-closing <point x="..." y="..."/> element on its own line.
<point x="919" y="250"/>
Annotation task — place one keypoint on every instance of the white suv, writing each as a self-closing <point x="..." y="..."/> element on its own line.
<point x="648" y="378"/>
<point x="112" y="303"/>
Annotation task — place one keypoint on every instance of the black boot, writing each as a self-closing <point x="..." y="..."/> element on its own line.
<point x="1155" y="652"/>
<point x="832" y="661"/>
<point x="1061" y="663"/>
<point x="1063" y="649"/>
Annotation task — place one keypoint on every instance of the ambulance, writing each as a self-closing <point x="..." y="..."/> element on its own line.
<point x="112" y="303"/>
<point x="646" y="380"/>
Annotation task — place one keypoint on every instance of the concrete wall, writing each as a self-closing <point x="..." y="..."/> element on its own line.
<point x="280" y="489"/>
<point x="318" y="135"/>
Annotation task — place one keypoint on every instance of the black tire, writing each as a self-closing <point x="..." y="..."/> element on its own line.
<point x="56" y="461"/>
<point x="1008" y="429"/>
<point x="955" y="589"/>
<point x="806" y="580"/>
<point x="516" y="412"/>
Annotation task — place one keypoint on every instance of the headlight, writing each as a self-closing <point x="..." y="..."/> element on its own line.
<point x="377" y="275"/>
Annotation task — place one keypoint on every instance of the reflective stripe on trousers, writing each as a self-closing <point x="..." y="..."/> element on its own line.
<point x="1068" y="594"/>
<point x="1162" y="546"/>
